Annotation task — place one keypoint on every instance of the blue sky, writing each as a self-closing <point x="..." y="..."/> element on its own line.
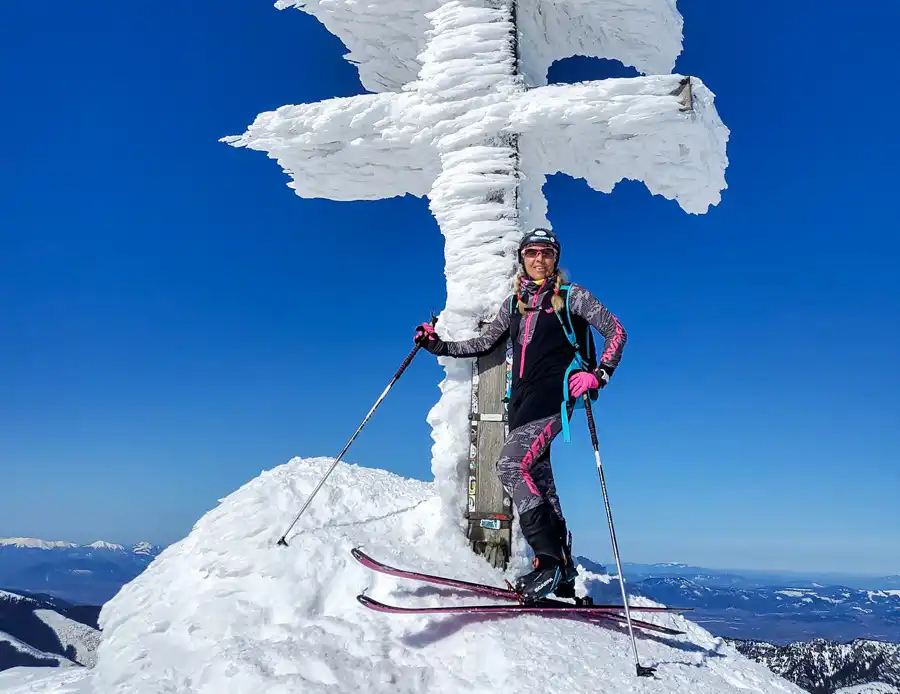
<point x="173" y="320"/>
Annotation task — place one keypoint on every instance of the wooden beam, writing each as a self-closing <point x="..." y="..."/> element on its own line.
<point x="489" y="509"/>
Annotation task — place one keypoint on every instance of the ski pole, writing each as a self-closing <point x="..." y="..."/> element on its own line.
<point x="406" y="362"/>
<point x="642" y="671"/>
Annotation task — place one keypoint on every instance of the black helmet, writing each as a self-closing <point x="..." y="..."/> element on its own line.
<point x="542" y="236"/>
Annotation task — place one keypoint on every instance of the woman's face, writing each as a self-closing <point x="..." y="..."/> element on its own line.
<point x="539" y="261"/>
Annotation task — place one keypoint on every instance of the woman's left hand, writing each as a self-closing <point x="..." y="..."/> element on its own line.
<point x="581" y="382"/>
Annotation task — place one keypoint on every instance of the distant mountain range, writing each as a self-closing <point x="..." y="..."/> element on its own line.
<point x="81" y="574"/>
<point x="38" y="630"/>
<point x="734" y="606"/>
<point x="825" y="667"/>
<point x="750" y="578"/>
<point x="782" y="614"/>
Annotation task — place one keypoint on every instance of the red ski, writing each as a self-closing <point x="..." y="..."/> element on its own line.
<point x="492" y="591"/>
<point x="591" y="611"/>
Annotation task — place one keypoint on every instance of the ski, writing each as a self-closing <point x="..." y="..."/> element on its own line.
<point x="484" y="589"/>
<point x="593" y="612"/>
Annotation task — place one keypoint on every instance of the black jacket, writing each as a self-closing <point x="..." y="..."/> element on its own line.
<point x="541" y="351"/>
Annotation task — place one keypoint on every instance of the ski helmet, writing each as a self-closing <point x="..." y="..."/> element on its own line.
<point x="544" y="237"/>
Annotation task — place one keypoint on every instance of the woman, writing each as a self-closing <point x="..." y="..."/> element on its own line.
<point x="544" y="349"/>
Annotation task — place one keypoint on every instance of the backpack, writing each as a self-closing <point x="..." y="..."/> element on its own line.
<point x="585" y="358"/>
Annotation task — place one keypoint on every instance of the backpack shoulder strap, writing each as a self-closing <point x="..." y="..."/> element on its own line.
<point x="566" y="324"/>
<point x="578" y="362"/>
<point x="566" y="288"/>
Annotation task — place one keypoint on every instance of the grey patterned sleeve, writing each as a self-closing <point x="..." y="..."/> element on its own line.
<point x="586" y="305"/>
<point x="495" y="331"/>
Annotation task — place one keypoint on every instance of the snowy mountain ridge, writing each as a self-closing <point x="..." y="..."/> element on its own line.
<point x="34" y="543"/>
<point x="824" y="667"/>
<point x="145" y="549"/>
<point x="781" y="614"/>
<point x="100" y="544"/>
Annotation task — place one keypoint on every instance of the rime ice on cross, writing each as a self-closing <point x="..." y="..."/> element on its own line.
<point x="462" y="118"/>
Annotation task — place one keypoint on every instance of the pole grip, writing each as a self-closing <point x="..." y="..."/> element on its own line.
<point x="411" y="355"/>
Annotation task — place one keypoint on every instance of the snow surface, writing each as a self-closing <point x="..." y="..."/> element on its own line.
<point x="46" y="680"/>
<point x="83" y="638"/>
<point x="386" y="38"/>
<point x="225" y="610"/>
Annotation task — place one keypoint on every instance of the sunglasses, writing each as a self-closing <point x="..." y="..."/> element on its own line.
<point x="535" y="252"/>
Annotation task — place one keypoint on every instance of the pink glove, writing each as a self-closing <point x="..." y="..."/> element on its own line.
<point x="581" y="382"/>
<point x="424" y="334"/>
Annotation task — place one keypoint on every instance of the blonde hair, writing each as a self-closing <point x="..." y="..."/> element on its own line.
<point x="556" y="299"/>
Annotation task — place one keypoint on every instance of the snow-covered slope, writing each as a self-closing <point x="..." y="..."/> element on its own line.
<point x="15" y="652"/>
<point x="48" y="680"/>
<point x="48" y="629"/>
<point x="225" y="610"/>
<point x="874" y="688"/>
<point x="83" y="639"/>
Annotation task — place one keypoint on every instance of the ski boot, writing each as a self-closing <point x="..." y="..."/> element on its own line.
<point x="566" y="587"/>
<point x="545" y="579"/>
<point x="554" y="570"/>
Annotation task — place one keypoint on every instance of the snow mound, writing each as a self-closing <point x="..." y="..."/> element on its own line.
<point x="225" y="610"/>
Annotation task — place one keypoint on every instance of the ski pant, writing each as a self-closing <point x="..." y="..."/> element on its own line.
<point x="525" y="472"/>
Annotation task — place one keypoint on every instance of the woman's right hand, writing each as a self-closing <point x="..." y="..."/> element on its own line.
<point x="427" y="338"/>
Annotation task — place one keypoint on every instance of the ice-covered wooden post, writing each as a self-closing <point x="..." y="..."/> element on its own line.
<point x="462" y="114"/>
